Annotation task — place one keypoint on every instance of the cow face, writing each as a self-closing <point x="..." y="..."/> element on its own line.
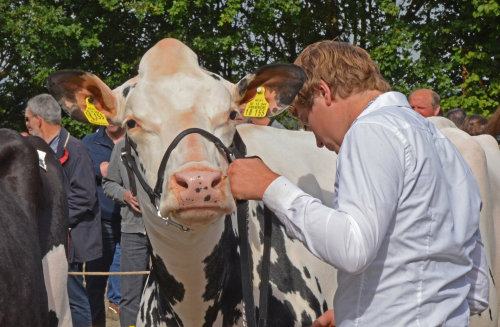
<point x="170" y="94"/>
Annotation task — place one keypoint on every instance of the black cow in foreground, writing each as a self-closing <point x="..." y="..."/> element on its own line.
<point x="33" y="234"/>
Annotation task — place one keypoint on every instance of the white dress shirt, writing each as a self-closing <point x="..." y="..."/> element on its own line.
<point x="404" y="228"/>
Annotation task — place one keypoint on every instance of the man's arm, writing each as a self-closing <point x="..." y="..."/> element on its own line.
<point x="369" y="186"/>
<point x="113" y="183"/>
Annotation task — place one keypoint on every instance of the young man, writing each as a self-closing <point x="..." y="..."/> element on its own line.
<point x="43" y="119"/>
<point x="403" y="229"/>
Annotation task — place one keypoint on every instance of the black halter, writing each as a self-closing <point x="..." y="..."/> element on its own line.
<point x="238" y="150"/>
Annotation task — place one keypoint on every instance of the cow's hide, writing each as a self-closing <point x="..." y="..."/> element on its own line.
<point x="34" y="230"/>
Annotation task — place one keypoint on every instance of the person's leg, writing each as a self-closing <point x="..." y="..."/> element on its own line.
<point x="78" y="301"/>
<point x="114" y="293"/>
<point x="96" y="285"/>
<point x="134" y="257"/>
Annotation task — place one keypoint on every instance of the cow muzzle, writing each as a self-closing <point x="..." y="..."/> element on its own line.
<point x="198" y="191"/>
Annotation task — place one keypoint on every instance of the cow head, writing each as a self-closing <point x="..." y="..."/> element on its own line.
<point x="170" y="94"/>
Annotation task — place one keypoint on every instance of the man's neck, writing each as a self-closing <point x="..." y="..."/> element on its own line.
<point x="361" y="100"/>
<point x="50" y="131"/>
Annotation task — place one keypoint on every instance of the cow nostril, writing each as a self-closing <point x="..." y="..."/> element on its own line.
<point x="181" y="182"/>
<point x="216" y="181"/>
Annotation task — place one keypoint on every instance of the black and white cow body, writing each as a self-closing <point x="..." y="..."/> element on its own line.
<point x="196" y="277"/>
<point x="34" y="219"/>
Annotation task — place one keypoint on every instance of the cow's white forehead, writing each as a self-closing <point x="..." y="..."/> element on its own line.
<point x="178" y="94"/>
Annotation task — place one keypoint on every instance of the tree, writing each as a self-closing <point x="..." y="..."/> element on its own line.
<point x="449" y="46"/>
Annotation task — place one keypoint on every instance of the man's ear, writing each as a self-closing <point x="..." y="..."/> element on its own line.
<point x="282" y="82"/>
<point x="436" y="110"/>
<point x="325" y="92"/>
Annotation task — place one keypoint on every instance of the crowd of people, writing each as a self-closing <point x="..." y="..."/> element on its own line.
<point x="107" y="231"/>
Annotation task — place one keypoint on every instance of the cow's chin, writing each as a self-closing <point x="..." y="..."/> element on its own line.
<point x="198" y="217"/>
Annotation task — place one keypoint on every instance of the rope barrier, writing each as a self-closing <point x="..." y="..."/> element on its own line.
<point x="111" y="273"/>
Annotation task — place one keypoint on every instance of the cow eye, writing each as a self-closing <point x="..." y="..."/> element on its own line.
<point x="131" y="123"/>
<point x="232" y="115"/>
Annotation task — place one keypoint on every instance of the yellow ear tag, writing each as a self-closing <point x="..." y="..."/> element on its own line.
<point x="93" y="115"/>
<point x="258" y="106"/>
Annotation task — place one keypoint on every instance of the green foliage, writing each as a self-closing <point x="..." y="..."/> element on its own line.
<point x="450" y="46"/>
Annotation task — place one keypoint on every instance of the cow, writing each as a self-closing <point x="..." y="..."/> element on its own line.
<point x="196" y="276"/>
<point x="34" y="218"/>
<point x="482" y="155"/>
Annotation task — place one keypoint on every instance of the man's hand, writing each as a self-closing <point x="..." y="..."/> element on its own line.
<point x="327" y="319"/>
<point x="131" y="201"/>
<point x="104" y="168"/>
<point x="249" y="178"/>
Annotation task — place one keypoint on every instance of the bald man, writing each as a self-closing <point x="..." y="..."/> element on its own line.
<point x="425" y="102"/>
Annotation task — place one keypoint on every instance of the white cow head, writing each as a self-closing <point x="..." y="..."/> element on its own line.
<point x="170" y="94"/>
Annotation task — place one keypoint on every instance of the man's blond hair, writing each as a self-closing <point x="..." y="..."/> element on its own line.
<point x="346" y="68"/>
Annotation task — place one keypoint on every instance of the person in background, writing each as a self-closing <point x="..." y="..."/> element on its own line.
<point x="403" y="228"/>
<point x="43" y="119"/>
<point x="100" y="144"/>
<point x="426" y="102"/>
<point x="134" y="242"/>
<point x="457" y="116"/>
<point x="475" y="124"/>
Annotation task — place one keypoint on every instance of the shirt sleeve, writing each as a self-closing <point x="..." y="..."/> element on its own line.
<point x="112" y="184"/>
<point x="370" y="171"/>
<point x="478" y="295"/>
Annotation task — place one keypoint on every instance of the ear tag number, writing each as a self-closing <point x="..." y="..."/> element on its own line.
<point x="93" y="115"/>
<point x="258" y="106"/>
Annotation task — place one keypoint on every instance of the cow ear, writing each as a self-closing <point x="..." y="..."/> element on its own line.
<point x="71" y="87"/>
<point x="282" y="82"/>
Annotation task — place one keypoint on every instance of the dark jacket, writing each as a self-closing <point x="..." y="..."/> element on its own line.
<point x="85" y="242"/>
<point x="100" y="146"/>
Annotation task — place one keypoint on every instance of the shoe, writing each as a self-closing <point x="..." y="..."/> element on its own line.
<point x="114" y="308"/>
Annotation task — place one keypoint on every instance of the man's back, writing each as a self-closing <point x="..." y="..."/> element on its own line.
<point x="421" y="244"/>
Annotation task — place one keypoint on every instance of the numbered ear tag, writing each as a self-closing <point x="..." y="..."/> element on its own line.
<point x="93" y="115"/>
<point x="258" y="106"/>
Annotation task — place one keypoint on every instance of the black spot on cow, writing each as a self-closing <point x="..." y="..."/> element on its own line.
<point x="205" y="188"/>
<point x="284" y="274"/>
<point x="216" y="77"/>
<point x="197" y="190"/>
<point x="325" y="306"/>
<point x="318" y="284"/>
<point x="207" y="198"/>
<point x="305" y="319"/>
<point x="306" y="272"/>
<point x="223" y="274"/>
<point x="125" y="91"/>
<point x="167" y="291"/>
<point x="280" y="313"/>
<point x="242" y="86"/>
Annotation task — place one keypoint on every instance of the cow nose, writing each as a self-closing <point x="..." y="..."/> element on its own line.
<point x="198" y="180"/>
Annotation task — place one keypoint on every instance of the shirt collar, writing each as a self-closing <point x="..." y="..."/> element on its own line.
<point x="387" y="99"/>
